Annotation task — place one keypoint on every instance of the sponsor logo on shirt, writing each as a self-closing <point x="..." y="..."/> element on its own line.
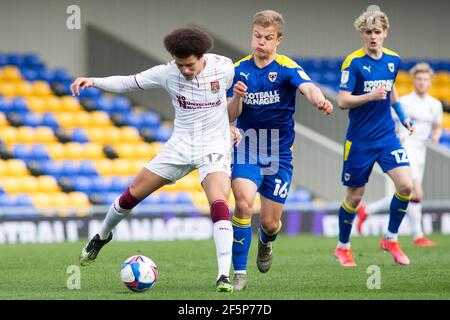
<point x="371" y="85"/>
<point x="215" y="86"/>
<point x="262" y="98"/>
<point x="272" y="76"/>
<point x="391" y="66"/>
<point x="186" y="104"/>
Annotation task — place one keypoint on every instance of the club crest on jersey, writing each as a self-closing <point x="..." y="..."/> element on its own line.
<point x="391" y="67"/>
<point x="344" y="76"/>
<point x="215" y="86"/>
<point x="272" y="76"/>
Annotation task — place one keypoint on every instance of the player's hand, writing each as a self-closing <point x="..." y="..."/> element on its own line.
<point x="82" y="83"/>
<point x="326" y="106"/>
<point x="240" y="89"/>
<point x="236" y="135"/>
<point x="379" y="93"/>
<point x="410" y="125"/>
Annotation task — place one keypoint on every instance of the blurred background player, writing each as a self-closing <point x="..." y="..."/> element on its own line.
<point x="197" y="84"/>
<point x="426" y="112"/>
<point x="263" y="102"/>
<point x="367" y="90"/>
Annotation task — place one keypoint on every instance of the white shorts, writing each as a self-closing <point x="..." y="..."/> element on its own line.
<point x="416" y="155"/>
<point x="173" y="165"/>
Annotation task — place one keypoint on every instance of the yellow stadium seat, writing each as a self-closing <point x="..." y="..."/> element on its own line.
<point x="24" y="89"/>
<point x="78" y="199"/>
<point x="126" y="151"/>
<point x="145" y="150"/>
<point x="157" y="146"/>
<point x="44" y="135"/>
<point x="112" y="135"/>
<point x="104" y="167"/>
<point x="69" y="103"/>
<point x="74" y="151"/>
<point x="442" y="78"/>
<point x="137" y="164"/>
<point x="199" y="199"/>
<point x="3" y="122"/>
<point x="3" y="168"/>
<point x="41" y="88"/>
<point x="100" y="119"/>
<point x="36" y="104"/>
<point x="56" y="151"/>
<point x="97" y="135"/>
<point x="7" y="89"/>
<point x="446" y="120"/>
<point x="92" y="151"/>
<point x="10" y="184"/>
<point x="65" y="119"/>
<point x="11" y="73"/>
<point x="403" y="78"/>
<point x="122" y="167"/>
<point x="16" y="167"/>
<point x="129" y="134"/>
<point x="8" y="135"/>
<point x="52" y="103"/>
<point x="59" y="200"/>
<point x="28" y="185"/>
<point x="82" y="119"/>
<point x="48" y="184"/>
<point x="41" y="200"/>
<point x="26" y="135"/>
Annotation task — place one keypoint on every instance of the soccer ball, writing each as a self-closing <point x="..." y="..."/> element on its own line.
<point x="139" y="273"/>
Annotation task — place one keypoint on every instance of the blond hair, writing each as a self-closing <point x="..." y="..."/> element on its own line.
<point x="371" y="19"/>
<point x="269" y="18"/>
<point x="421" y="67"/>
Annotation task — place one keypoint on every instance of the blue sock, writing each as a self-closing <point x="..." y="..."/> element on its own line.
<point x="397" y="211"/>
<point x="242" y="239"/>
<point x="346" y="216"/>
<point x="265" y="237"/>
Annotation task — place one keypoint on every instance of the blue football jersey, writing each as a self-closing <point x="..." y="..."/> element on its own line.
<point x="270" y="99"/>
<point x="362" y="74"/>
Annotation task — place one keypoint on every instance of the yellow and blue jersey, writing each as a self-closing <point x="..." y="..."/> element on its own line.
<point x="270" y="99"/>
<point x="362" y="74"/>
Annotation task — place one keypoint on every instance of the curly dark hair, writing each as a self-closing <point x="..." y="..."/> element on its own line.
<point x="184" y="42"/>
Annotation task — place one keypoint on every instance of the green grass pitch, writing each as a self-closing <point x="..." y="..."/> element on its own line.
<point x="303" y="268"/>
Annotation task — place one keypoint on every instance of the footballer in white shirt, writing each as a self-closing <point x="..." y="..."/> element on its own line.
<point x="426" y="112"/>
<point x="197" y="82"/>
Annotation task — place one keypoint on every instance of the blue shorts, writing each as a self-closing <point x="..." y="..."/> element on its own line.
<point x="359" y="159"/>
<point x="274" y="186"/>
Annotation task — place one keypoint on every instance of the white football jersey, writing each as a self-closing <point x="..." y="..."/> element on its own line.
<point x="425" y="112"/>
<point x="201" y="124"/>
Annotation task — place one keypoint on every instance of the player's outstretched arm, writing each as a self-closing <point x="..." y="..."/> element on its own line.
<point x="235" y="103"/>
<point x="346" y="100"/>
<point x="402" y="116"/>
<point x="117" y="84"/>
<point x="316" y="97"/>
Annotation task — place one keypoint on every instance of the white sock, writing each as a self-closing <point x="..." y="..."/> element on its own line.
<point x="380" y="205"/>
<point x="240" y="271"/>
<point x="342" y="245"/>
<point x="223" y="238"/>
<point x="414" y="212"/>
<point x="113" y="217"/>
<point x="389" y="236"/>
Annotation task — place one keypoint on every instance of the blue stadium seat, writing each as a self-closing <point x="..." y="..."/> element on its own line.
<point x="121" y="104"/>
<point x="3" y="60"/>
<point x="21" y="151"/>
<point x="19" y="105"/>
<point x="163" y="134"/>
<point x="7" y="201"/>
<point x="61" y="75"/>
<point x="100" y="184"/>
<point x="39" y="152"/>
<point x="82" y="184"/>
<point x="87" y="168"/>
<point x="151" y="120"/>
<point x="33" y="61"/>
<point x="105" y="104"/>
<point x="166" y="198"/>
<point x="119" y="184"/>
<point x="79" y="135"/>
<point x="52" y="168"/>
<point x="49" y="120"/>
<point x="23" y="200"/>
<point x="29" y="74"/>
<point x="92" y="93"/>
<point x="31" y="119"/>
<point x="184" y="197"/>
<point x="15" y="59"/>
<point x="69" y="168"/>
<point x="46" y="75"/>
<point x="5" y="105"/>
<point x="134" y="119"/>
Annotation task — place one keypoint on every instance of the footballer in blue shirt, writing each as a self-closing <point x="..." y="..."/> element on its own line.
<point x="367" y="91"/>
<point x="262" y="100"/>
